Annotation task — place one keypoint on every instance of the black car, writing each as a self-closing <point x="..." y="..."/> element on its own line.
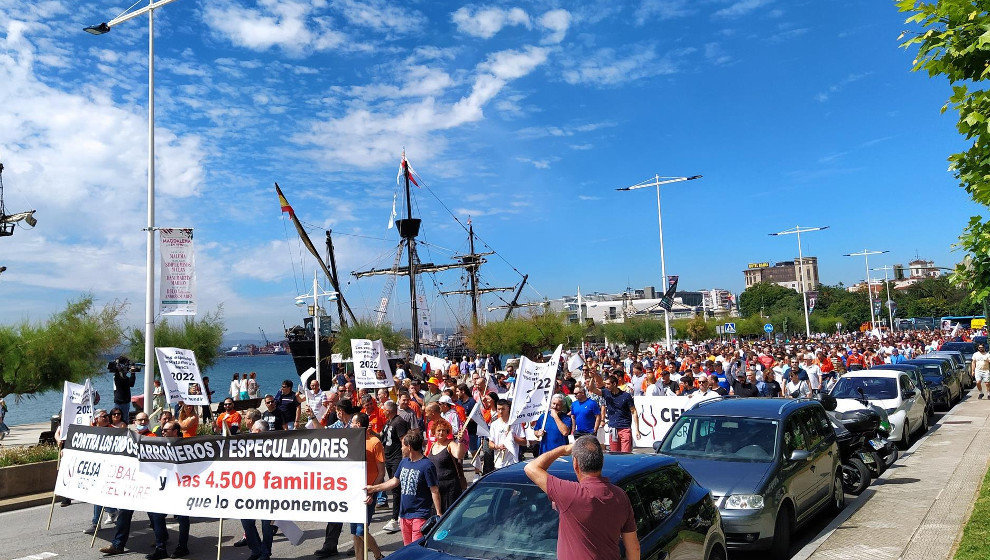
<point x="917" y="377"/>
<point x="505" y="516"/>
<point x="771" y="464"/>
<point x="942" y="379"/>
<point x="967" y="348"/>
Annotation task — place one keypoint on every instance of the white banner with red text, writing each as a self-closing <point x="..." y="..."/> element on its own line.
<point x="300" y="475"/>
<point x="656" y="416"/>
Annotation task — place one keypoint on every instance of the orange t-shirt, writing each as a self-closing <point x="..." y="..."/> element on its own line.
<point x="229" y="418"/>
<point x="374" y="454"/>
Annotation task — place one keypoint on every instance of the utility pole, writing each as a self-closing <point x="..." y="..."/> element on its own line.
<point x="869" y="290"/>
<point x="798" y="230"/>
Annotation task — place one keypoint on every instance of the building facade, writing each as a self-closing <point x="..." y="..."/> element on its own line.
<point x="786" y="273"/>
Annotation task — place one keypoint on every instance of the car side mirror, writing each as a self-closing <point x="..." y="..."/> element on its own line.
<point x="430" y="524"/>
<point x="799" y="455"/>
<point x="656" y="446"/>
<point x="910" y="393"/>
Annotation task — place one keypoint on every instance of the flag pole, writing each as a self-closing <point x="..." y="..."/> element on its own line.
<point x="51" y="512"/>
<point x="97" y="530"/>
<point x="219" y="538"/>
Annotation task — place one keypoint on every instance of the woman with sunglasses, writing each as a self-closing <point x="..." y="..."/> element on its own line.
<point x="117" y="418"/>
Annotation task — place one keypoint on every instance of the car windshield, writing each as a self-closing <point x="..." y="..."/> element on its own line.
<point x="749" y="440"/>
<point x="931" y="369"/>
<point x="498" y="520"/>
<point x="874" y="388"/>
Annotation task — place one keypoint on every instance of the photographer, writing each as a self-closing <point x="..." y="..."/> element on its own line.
<point x="124" y="376"/>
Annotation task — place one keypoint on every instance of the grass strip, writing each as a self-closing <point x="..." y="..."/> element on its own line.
<point x="975" y="543"/>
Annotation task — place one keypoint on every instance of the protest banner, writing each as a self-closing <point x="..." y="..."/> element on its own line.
<point x="479" y="419"/>
<point x="77" y="406"/>
<point x="180" y="376"/>
<point x="371" y="369"/>
<point x="178" y="278"/>
<point x="286" y="475"/>
<point x="533" y="387"/>
<point x="656" y="416"/>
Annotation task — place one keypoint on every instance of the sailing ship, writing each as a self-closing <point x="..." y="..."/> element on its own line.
<point x="9" y="221"/>
<point x="301" y="339"/>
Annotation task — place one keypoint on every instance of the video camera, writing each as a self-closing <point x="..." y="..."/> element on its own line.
<point x="123" y="365"/>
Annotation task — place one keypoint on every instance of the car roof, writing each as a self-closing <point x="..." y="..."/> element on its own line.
<point x="903" y="366"/>
<point x="617" y="468"/>
<point x="938" y="360"/>
<point x="958" y="344"/>
<point x="771" y="408"/>
<point x="874" y="373"/>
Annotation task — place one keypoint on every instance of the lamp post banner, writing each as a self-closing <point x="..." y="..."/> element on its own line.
<point x="371" y="369"/>
<point x="178" y="277"/>
<point x="180" y="375"/>
<point x="299" y="475"/>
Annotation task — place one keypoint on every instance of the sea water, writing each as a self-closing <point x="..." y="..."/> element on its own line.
<point x="271" y="370"/>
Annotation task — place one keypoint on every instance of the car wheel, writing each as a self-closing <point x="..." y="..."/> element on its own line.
<point x="924" y="426"/>
<point x="855" y="476"/>
<point x="781" y="546"/>
<point x="838" y="493"/>
<point x="905" y="442"/>
<point x="717" y="553"/>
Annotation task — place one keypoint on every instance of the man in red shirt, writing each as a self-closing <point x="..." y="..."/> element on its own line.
<point x="594" y="513"/>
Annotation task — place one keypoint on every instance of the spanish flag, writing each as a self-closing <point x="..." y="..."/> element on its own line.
<point x="283" y="202"/>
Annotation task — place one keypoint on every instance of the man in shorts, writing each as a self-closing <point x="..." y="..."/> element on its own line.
<point x="981" y="368"/>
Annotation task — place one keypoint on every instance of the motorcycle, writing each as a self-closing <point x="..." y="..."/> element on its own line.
<point x="858" y="438"/>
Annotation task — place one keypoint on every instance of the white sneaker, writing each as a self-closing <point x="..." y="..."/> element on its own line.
<point x="392" y="526"/>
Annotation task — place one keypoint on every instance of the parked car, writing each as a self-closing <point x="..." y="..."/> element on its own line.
<point x="958" y="361"/>
<point x="942" y="379"/>
<point x="505" y="516"/>
<point x="771" y="464"/>
<point x="915" y="373"/>
<point x="967" y="349"/>
<point x="892" y="391"/>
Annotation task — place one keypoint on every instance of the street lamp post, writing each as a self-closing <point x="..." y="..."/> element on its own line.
<point x="149" y="311"/>
<point x="798" y="230"/>
<point x="890" y="312"/>
<point x="869" y="291"/>
<point x="656" y="181"/>
<point x="303" y="300"/>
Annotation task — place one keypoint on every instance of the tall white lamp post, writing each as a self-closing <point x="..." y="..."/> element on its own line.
<point x="798" y="230"/>
<point x="869" y="290"/>
<point x="886" y="283"/>
<point x="656" y="181"/>
<point x="149" y="311"/>
<point x="315" y="297"/>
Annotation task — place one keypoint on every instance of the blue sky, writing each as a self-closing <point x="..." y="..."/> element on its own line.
<point x="524" y="116"/>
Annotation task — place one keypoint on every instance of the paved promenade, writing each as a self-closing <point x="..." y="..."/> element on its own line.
<point x="25" y="434"/>
<point x="916" y="511"/>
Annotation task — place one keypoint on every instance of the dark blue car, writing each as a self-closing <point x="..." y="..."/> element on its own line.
<point x="504" y="516"/>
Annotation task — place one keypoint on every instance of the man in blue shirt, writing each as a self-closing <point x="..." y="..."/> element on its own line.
<point x="586" y="413"/>
<point x="621" y="414"/>
<point x="555" y="426"/>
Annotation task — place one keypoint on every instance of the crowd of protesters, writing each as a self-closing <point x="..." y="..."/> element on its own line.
<point x="419" y="437"/>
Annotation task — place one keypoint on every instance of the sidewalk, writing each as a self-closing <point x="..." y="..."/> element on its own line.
<point x="25" y="434"/>
<point x="917" y="510"/>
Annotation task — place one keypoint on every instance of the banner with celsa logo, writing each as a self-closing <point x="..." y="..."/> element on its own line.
<point x="178" y="278"/>
<point x="299" y="475"/>
<point x="657" y="415"/>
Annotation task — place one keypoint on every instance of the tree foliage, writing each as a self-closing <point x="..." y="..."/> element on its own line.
<point x="955" y="43"/>
<point x="635" y="331"/>
<point x="203" y="336"/>
<point x="527" y="336"/>
<point x="69" y="346"/>
<point x="768" y="298"/>
<point x="391" y="339"/>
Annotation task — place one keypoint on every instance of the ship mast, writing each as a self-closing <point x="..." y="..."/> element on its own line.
<point x="408" y="230"/>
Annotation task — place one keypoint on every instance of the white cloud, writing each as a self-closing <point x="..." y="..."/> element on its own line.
<point x="741" y="8"/>
<point x="823" y="96"/>
<point x="662" y="10"/>
<point x="538" y="163"/>
<point x="366" y="137"/>
<point x="556" y="22"/>
<point x="291" y="25"/>
<point x="380" y="15"/>
<point x="605" y="67"/>
<point x="486" y="22"/>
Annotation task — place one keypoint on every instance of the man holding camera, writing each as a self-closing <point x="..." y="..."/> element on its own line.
<point x="124" y="376"/>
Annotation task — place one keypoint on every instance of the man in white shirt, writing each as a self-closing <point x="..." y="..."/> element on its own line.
<point x="636" y="379"/>
<point x="981" y="368"/>
<point x="705" y="391"/>
<point x="505" y="439"/>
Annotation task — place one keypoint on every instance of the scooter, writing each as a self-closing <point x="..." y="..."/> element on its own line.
<point x="855" y="432"/>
